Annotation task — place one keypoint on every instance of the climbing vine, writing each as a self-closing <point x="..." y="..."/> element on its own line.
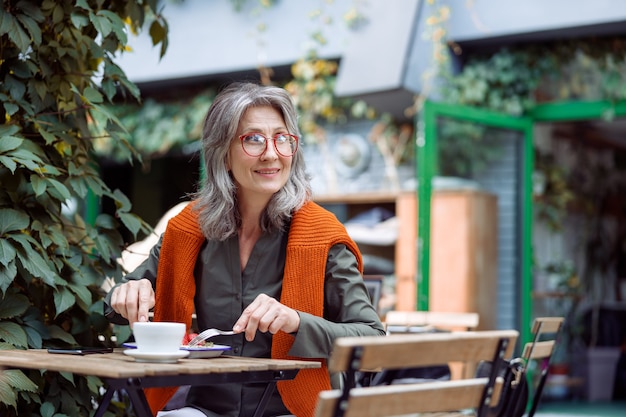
<point x="57" y="72"/>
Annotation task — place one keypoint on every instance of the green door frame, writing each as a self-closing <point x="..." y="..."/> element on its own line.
<point x="427" y="167"/>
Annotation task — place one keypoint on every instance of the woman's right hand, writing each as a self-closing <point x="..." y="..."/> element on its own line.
<point x="133" y="300"/>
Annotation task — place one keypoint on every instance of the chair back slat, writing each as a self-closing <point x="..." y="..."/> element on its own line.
<point x="396" y="400"/>
<point x="541" y="350"/>
<point x="544" y="325"/>
<point x="400" y="351"/>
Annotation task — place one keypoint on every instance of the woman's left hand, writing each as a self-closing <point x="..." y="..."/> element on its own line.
<point x="267" y="314"/>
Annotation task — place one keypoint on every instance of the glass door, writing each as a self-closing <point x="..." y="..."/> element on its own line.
<point x="475" y="213"/>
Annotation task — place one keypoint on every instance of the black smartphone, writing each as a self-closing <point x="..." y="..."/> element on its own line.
<point x="81" y="350"/>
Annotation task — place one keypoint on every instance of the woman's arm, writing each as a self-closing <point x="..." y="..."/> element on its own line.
<point x="348" y="310"/>
<point x="132" y="289"/>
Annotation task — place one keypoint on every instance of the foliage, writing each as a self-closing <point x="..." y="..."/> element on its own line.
<point x="153" y="128"/>
<point x="160" y="126"/>
<point x="57" y="71"/>
<point x="465" y="149"/>
<point x="238" y="5"/>
<point x="513" y="80"/>
<point x="503" y="82"/>
<point x="313" y="90"/>
<point x="552" y="192"/>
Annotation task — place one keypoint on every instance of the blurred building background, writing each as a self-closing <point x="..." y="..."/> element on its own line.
<point x="524" y="221"/>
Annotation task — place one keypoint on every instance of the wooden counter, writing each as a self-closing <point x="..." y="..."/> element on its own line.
<point x="464" y="230"/>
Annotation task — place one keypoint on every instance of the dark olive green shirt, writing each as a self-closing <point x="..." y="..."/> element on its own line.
<point x="223" y="291"/>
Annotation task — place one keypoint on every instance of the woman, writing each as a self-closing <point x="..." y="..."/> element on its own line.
<point x="251" y="252"/>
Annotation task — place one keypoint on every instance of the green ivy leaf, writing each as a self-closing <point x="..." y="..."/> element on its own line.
<point x="12" y="220"/>
<point x="11" y="27"/>
<point x="13" y="306"/>
<point x="33" y="28"/>
<point x="101" y="23"/>
<point x="8" y="130"/>
<point x="10" y="143"/>
<point x="157" y="32"/>
<point x="78" y="185"/>
<point x="32" y="261"/>
<point x="79" y="20"/>
<point x="105" y="221"/>
<point x="131" y="221"/>
<point x="9" y="163"/>
<point x="103" y="245"/>
<point x="83" y="4"/>
<point x="68" y="376"/>
<point x="26" y="158"/>
<point x="5" y="23"/>
<point x="48" y="137"/>
<point x="10" y="108"/>
<point x="92" y="95"/>
<point x="57" y="333"/>
<point x="70" y="404"/>
<point x="34" y="337"/>
<point x="35" y="329"/>
<point x="39" y="184"/>
<point x="7" y="252"/>
<point x="64" y="193"/>
<point x="7" y="275"/>
<point x="17" y="380"/>
<point x="117" y="25"/>
<point x="13" y="333"/>
<point x="93" y="383"/>
<point x="8" y="395"/>
<point x="83" y="296"/>
<point x="63" y="299"/>
<point x="47" y="409"/>
<point x="16" y="87"/>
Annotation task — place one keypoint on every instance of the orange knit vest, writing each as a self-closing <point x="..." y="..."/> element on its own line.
<point x="313" y="232"/>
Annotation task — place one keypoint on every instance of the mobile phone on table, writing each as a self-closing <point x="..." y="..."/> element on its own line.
<point x="81" y="350"/>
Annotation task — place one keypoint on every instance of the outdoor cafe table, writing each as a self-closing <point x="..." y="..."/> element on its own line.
<point x="121" y="372"/>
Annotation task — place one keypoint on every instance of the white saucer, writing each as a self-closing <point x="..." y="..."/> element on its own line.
<point x="158" y="357"/>
<point x="202" y="352"/>
<point x="196" y="352"/>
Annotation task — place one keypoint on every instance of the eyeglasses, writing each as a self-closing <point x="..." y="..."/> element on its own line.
<point x="255" y="144"/>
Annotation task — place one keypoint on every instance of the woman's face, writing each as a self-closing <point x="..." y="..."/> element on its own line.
<point x="264" y="175"/>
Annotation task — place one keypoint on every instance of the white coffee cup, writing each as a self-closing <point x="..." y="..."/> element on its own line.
<point x="158" y="336"/>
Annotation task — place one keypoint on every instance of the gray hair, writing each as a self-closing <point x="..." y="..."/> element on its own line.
<point x="216" y="200"/>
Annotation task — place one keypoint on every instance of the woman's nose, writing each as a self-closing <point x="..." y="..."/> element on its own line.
<point x="270" y="150"/>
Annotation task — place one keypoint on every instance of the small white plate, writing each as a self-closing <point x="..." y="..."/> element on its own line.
<point x="197" y="352"/>
<point x="158" y="357"/>
<point x="200" y="352"/>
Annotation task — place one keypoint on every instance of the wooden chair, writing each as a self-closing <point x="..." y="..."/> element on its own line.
<point x="545" y="331"/>
<point x="353" y="354"/>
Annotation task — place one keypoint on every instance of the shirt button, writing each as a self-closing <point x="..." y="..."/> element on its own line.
<point x="238" y="297"/>
<point x="236" y="350"/>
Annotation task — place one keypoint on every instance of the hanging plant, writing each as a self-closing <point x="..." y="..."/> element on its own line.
<point x="515" y="79"/>
<point x="552" y="192"/>
<point x="153" y="128"/>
